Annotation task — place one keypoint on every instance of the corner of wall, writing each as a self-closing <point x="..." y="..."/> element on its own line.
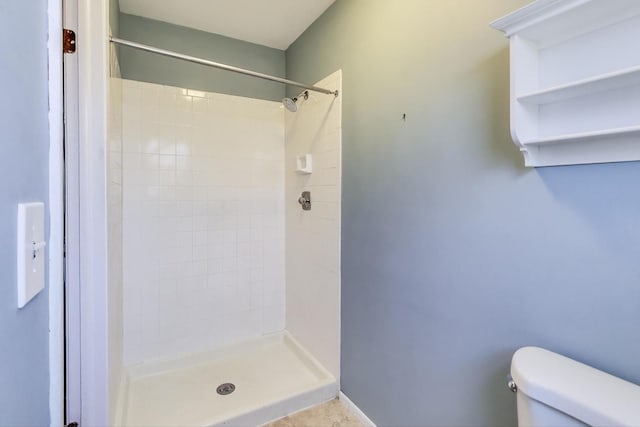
<point x="313" y="237"/>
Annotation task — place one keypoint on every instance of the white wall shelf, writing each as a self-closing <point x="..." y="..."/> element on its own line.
<point x="575" y="81"/>
<point x="586" y="136"/>
<point x="615" y="80"/>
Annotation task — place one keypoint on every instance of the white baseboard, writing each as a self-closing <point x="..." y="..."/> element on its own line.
<point x="362" y="417"/>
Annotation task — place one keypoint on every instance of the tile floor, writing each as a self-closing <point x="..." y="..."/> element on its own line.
<point x="330" y="414"/>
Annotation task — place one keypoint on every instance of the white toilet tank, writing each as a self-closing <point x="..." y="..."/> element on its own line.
<point x="554" y="391"/>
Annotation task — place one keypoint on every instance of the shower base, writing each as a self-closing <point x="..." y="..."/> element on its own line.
<point x="273" y="376"/>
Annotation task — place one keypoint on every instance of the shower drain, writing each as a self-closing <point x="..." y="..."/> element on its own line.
<point x="226" y="388"/>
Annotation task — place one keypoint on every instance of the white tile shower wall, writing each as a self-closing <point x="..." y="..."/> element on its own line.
<point x="203" y="220"/>
<point x="313" y="237"/>
<point x="114" y="231"/>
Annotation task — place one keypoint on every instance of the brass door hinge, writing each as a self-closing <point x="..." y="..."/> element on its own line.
<point x="68" y="41"/>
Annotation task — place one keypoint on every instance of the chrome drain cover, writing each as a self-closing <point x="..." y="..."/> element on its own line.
<point x="226" y="388"/>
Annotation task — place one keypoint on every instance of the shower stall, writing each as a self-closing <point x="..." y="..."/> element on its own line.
<point x="229" y="290"/>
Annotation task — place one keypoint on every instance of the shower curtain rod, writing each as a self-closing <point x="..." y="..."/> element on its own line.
<point x="218" y="65"/>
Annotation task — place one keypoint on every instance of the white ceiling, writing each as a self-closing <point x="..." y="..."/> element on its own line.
<point x="273" y="23"/>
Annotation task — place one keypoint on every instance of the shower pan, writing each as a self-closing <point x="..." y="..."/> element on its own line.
<point x="272" y="376"/>
<point x="231" y="291"/>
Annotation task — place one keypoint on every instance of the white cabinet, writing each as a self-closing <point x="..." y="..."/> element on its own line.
<point x="575" y="80"/>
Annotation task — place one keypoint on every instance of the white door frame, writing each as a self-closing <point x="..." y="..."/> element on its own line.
<point x="94" y="332"/>
<point x="72" y="223"/>
<point x="87" y="293"/>
<point x="56" y="215"/>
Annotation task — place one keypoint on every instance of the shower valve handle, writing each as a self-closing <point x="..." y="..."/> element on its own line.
<point x="305" y="200"/>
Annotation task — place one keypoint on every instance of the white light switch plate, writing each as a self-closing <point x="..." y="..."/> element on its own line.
<point x="31" y="251"/>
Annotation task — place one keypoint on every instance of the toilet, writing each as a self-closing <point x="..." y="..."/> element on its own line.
<point x="554" y="391"/>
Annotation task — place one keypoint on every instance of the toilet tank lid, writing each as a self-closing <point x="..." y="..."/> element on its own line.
<point x="592" y="396"/>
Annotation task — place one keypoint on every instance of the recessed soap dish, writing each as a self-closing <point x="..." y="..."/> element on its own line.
<point x="304" y="164"/>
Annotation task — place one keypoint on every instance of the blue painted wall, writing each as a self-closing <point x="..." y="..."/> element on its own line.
<point x="454" y="254"/>
<point x="24" y="366"/>
<point x="149" y="67"/>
